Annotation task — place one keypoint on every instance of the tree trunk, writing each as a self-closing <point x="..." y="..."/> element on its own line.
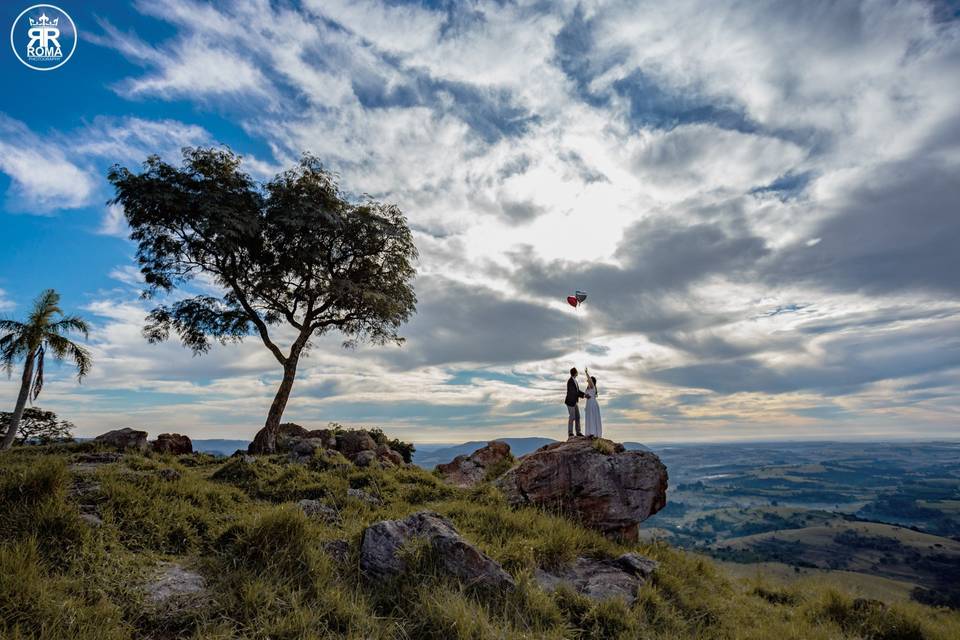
<point x="266" y="439"/>
<point x="25" y="381"/>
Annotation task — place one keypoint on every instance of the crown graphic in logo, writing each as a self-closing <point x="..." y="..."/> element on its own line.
<point x="44" y="21"/>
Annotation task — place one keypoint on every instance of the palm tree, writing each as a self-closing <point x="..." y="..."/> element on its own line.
<point x="43" y="331"/>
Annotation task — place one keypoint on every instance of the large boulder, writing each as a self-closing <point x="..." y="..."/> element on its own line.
<point x="350" y="443"/>
<point x="284" y="439"/>
<point x="381" y="556"/>
<point x="388" y="457"/>
<point x="125" y="439"/>
<point x="601" y="579"/>
<point x="467" y="470"/>
<point x="172" y="443"/>
<point x="595" y="480"/>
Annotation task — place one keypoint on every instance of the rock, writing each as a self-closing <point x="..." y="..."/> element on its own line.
<point x="395" y="457"/>
<point x="326" y="436"/>
<point x="465" y="471"/>
<point x="172" y="443"/>
<point x="307" y="446"/>
<point x="601" y="579"/>
<point x="595" y="480"/>
<point x="318" y="510"/>
<point x="388" y="457"/>
<point x="364" y="458"/>
<point x="125" y="439"/>
<point x="350" y="443"/>
<point x="174" y="585"/>
<point x="283" y="440"/>
<point x="170" y="475"/>
<point x="360" y="494"/>
<point x="381" y="557"/>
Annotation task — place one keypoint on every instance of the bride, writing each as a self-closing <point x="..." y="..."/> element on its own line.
<point x="594" y="427"/>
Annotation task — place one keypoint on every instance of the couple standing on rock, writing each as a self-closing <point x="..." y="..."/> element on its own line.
<point x="592" y="408"/>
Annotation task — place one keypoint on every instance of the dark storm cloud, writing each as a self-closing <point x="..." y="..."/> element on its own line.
<point x="459" y="323"/>
<point x="849" y="362"/>
<point x="898" y="232"/>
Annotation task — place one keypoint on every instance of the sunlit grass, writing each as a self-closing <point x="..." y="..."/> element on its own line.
<point x="268" y="574"/>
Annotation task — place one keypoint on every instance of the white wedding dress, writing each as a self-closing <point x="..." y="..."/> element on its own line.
<point x="594" y="427"/>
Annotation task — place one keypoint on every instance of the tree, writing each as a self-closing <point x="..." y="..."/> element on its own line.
<point x="38" y="426"/>
<point x="31" y="340"/>
<point x="293" y="251"/>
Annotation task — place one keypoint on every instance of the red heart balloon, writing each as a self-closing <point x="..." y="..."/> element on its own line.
<point x="572" y="301"/>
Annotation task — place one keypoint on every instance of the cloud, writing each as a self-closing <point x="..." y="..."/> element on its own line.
<point x="457" y="323"/>
<point x="763" y="218"/>
<point x="896" y="230"/>
<point x="6" y="304"/>
<point x="42" y="177"/>
<point x="113" y="222"/>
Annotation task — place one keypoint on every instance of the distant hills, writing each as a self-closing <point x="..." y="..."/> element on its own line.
<point x="220" y="447"/>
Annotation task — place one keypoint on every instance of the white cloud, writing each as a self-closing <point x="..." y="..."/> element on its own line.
<point x="541" y="135"/>
<point x="6" y="304"/>
<point x="113" y="222"/>
<point x="43" y="178"/>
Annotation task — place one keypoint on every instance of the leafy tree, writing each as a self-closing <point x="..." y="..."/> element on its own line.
<point x="293" y="251"/>
<point x="38" y="426"/>
<point x="31" y="340"/>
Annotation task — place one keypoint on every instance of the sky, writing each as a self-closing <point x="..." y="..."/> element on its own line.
<point x="760" y="199"/>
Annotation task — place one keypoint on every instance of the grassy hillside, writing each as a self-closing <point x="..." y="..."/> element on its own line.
<point x="81" y="544"/>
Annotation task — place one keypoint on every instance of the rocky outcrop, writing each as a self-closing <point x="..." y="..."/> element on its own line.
<point x="304" y="446"/>
<point x="173" y="443"/>
<point x="467" y="470"/>
<point x="601" y="579"/>
<point x="125" y="439"/>
<point x="381" y="557"/>
<point x="594" y="480"/>
<point x="388" y="457"/>
<point x="350" y="443"/>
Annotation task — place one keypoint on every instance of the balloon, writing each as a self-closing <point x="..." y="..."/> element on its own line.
<point x="581" y="295"/>
<point x="572" y="301"/>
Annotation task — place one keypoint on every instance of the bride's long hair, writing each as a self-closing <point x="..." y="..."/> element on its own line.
<point x="593" y="383"/>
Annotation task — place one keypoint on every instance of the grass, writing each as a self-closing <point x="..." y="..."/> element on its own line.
<point x="268" y="574"/>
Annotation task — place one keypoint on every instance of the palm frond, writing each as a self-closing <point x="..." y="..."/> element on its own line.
<point x="71" y="323"/>
<point x="13" y="346"/>
<point x="61" y="348"/>
<point x="11" y="326"/>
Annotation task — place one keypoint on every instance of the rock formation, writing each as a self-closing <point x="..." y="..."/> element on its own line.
<point x="381" y="557"/>
<point x="601" y="579"/>
<point x="125" y="439"/>
<point x="357" y="446"/>
<point x="465" y="471"/>
<point x="594" y="480"/>
<point x="172" y="443"/>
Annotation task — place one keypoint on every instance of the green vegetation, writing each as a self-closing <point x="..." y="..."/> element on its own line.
<point x="270" y="571"/>
<point x="38" y="426"/>
<point x="43" y="331"/>
<point x="294" y="251"/>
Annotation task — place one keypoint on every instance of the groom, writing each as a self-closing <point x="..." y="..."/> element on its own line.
<point x="573" y="398"/>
